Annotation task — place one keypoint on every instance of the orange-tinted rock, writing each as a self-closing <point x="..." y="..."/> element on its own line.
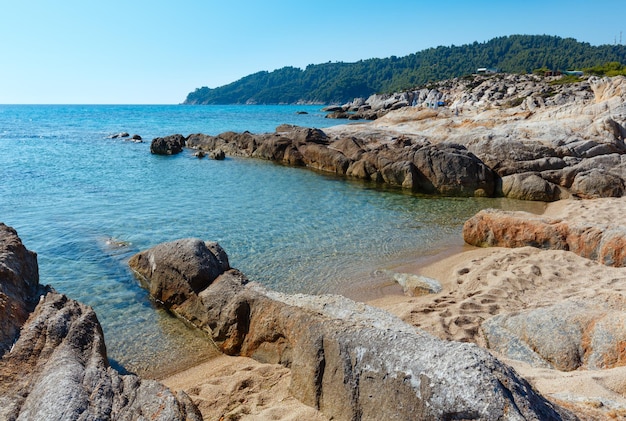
<point x="496" y="228"/>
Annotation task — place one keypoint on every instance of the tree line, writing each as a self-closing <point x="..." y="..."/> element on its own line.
<point x="341" y="82"/>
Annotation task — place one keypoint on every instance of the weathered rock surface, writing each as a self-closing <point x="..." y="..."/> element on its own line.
<point x="511" y="135"/>
<point x="169" y="145"/>
<point x="496" y="228"/>
<point x="565" y="336"/>
<point x="53" y="363"/>
<point x="448" y="169"/>
<point x="583" y="330"/>
<point x="352" y="361"/>
<point x="19" y="287"/>
<point x="522" y="124"/>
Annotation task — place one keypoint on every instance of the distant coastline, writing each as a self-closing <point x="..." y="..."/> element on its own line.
<point x="338" y="83"/>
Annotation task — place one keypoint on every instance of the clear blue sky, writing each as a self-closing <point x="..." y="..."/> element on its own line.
<point x="157" y="51"/>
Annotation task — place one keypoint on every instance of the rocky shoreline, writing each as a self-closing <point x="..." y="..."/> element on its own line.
<point x="509" y="135"/>
<point x="53" y="361"/>
<point x="530" y="326"/>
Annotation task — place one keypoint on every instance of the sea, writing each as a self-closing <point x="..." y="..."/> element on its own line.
<point x="85" y="202"/>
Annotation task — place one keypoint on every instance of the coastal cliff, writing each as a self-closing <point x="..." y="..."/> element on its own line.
<point x="517" y="136"/>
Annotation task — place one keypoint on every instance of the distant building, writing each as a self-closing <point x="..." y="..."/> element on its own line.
<point x="573" y="73"/>
<point x="487" y="70"/>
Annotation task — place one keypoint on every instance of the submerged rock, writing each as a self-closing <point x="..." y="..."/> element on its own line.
<point x="53" y="362"/>
<point x="347" y="359"/>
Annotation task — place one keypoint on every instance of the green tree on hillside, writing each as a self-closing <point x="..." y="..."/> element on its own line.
<point x="341" y="82"/>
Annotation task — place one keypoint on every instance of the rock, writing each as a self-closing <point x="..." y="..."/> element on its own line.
<point x="597" y="183"/>
<point x="339" y="115"/>
<point x="414" y="285"/>
<point x="566" y="336"/>
<point x="199" y="154"/>
<point x="217" y="155"/>
<point x="333" y="109"/>
<point x="352" y="361"/>
<point x="496" y="228"/>
<point x="169" y="145"/>
<point x="529" y="186"/>
<point x="452" y="170"/>
<point x="19" y="285"/>
<point x="136" y="137"/>
<point x="118" y="135"/>
<point x="57" y="367"/>
<point x="174" y="271"/>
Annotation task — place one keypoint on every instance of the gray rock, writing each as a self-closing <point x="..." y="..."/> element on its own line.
<point x="566" y="336"/>
<point x="57" y="367"/>
<point x="175" y="270"/>
<point x="453" y="171"/>
<point x="352" y="361"/>
<point x="529" y="186"/>
<point x="597" y="183"/>
<point x="19" y="285"/>
<point x="169" y="145"/>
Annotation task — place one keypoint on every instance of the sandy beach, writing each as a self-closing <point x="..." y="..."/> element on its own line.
<point x="477" y="283"/>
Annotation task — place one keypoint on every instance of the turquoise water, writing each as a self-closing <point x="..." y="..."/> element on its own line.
<point x="85" y="203"/>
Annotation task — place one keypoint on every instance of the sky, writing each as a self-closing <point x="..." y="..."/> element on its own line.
<point x="157" y="51"/>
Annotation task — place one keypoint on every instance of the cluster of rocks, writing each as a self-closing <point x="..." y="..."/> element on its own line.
<point x="53" y="361"/>
<point x="348" y="360"/>
<point x="125" y="135"/>
<point x="585" y="330"/>
<point x="494" y="90"/>
<point x="174" y="144"/>
<point x="549" y="147"/>
<point x="448" y="169"/>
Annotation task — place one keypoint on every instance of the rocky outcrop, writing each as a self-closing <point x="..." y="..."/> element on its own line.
<point x="516" y="136"/>
<point x="571" y="136"/>
<point x="460" y="94"/>
<point x="566" y="336"/>
<point x="496" y="228"/>
<point x="169" y="145"/>
<point x="19" y="287"/>
<point x="585" y="330"/>
<point x="348" y="360"/>
<point x="448" y="169"/>
<point x="53" y="362"/>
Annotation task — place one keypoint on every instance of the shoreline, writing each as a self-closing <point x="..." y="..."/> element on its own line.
<point x="593" y="394"/>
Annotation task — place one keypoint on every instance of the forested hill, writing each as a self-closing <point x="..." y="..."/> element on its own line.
<point x="340" y="82"/>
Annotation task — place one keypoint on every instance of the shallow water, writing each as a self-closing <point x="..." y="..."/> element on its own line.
<point x="86" y="203"/>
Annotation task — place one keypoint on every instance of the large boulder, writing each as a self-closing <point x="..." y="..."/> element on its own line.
<point x="176" y="272"/>
<point x="597" y="183"/>
<point x="57" y="367"/>
<point x="497" y="228"/>
<point x="169" y="145"/>
<point x="565" y="336"/>
<point x="529" y="186"/>
<point x="453" y="171"/>
<point x="19" y="285"/>
<point x="352" y="361"/>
